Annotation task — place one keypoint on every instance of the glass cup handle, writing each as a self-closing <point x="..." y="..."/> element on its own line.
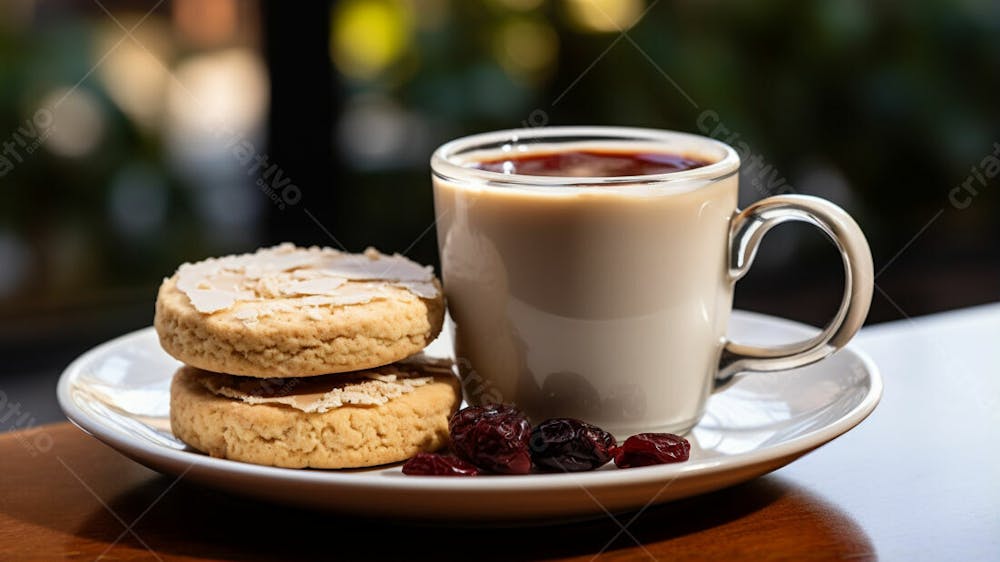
<point x="747" y="229"/>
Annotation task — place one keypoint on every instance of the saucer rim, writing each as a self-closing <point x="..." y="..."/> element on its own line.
<point x="163" y="458"/>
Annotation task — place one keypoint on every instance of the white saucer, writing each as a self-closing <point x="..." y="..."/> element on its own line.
<point x="118" y="392"/>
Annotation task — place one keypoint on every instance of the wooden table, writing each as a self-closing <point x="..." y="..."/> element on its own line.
<point x="919" y="480"/>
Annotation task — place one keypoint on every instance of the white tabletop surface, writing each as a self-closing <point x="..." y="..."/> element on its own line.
<point x="931" y="447"/>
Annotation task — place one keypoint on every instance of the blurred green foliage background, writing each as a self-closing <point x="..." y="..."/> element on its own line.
<point x="118" y="122"/>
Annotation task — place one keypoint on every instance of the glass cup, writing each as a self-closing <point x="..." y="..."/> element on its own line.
<point x="608" y="298"/>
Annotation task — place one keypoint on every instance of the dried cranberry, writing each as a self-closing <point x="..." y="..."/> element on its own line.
<point x="647" y="449"/>
<point x="493" y="437"/>
<point x="570" y="445"/>
<point x="432" y="464"/>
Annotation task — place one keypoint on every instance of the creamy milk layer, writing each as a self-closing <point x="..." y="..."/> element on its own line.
<point x="609" y="304"/>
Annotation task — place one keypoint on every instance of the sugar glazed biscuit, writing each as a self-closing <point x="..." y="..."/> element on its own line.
<point x="288" y="311"/>
<point x="355" y="420"/>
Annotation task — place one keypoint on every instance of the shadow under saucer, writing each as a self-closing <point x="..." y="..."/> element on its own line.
<point x="763" y="518"/>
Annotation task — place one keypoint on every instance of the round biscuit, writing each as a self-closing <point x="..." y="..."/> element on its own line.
<point x="297" y="342"/>
<point x="350" y="436"/>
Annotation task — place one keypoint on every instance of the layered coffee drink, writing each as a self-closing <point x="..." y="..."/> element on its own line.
<point x="589" y="279"/>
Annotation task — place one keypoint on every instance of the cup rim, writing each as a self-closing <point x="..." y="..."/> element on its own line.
<point x="444" y="166"/>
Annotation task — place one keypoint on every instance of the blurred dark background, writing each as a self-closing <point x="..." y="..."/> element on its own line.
<point x="135" y="136"/>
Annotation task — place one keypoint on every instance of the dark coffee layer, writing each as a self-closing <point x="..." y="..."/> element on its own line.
<point x="591" y="163"/>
